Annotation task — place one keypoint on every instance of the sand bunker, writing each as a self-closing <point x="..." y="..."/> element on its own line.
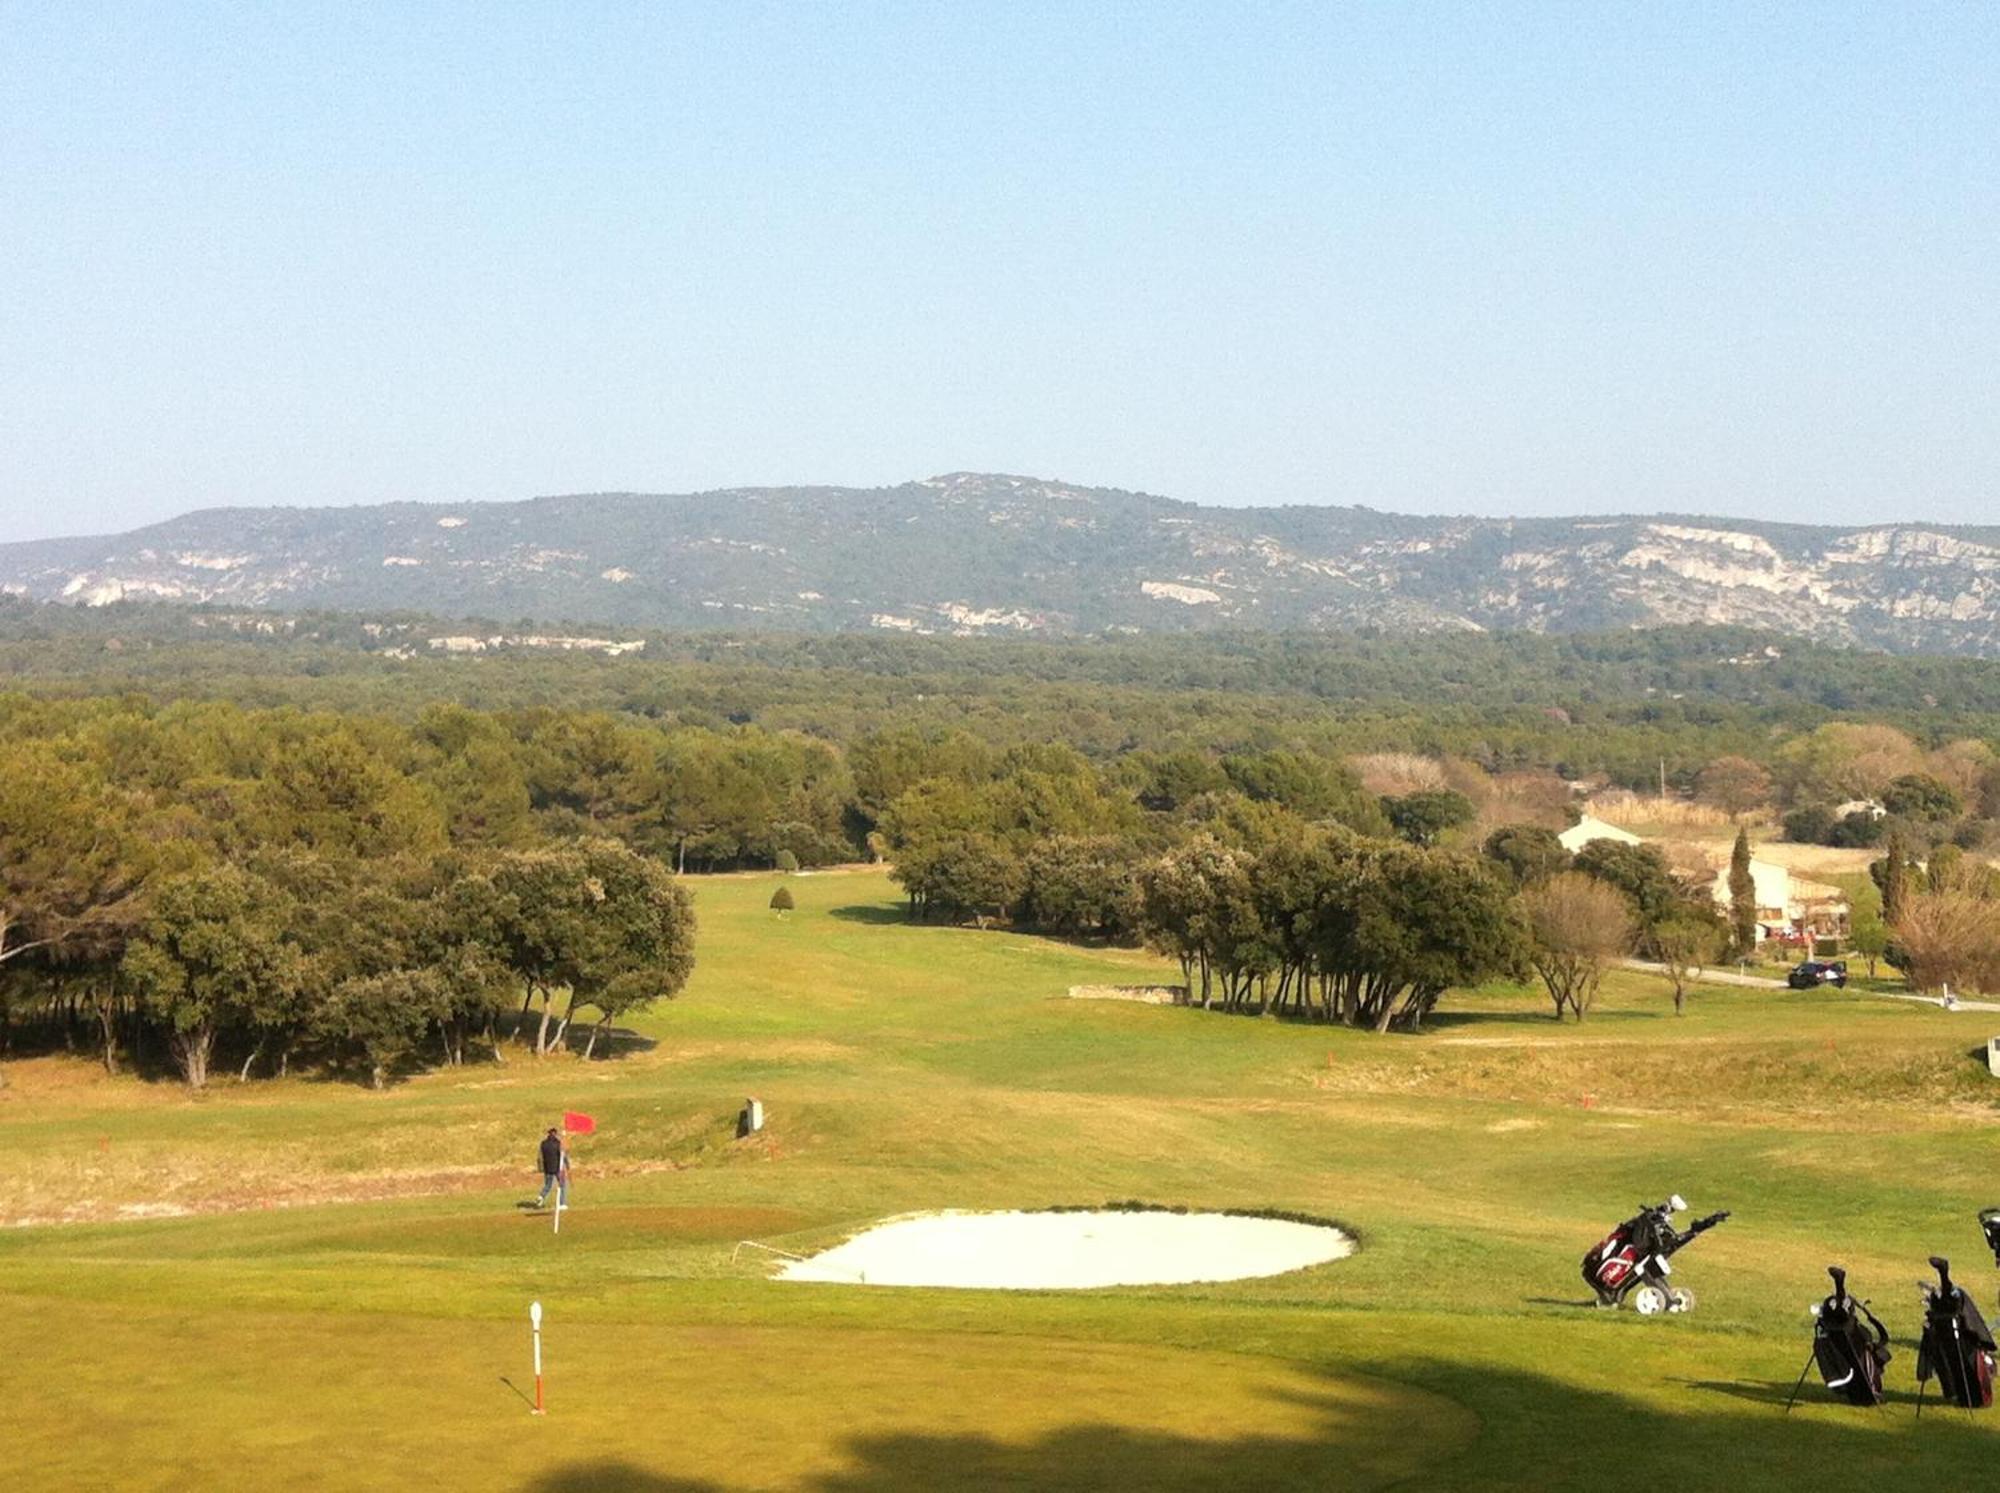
<point x="1072" y="1251"/>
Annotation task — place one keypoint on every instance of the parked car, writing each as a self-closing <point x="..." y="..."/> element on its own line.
<point x="1817" y="972"/>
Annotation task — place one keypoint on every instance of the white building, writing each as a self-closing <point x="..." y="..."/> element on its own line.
<point x="1787" y="905"/>
<point x="1587" y="829"/>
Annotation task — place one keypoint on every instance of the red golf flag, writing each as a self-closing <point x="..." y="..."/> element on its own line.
<point x="577" y="1124"/>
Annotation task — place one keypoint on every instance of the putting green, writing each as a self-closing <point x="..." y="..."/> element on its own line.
<point x="316" y="1402"/>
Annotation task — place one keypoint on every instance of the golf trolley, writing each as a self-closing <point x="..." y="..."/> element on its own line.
<point x="1631" y="1261"/>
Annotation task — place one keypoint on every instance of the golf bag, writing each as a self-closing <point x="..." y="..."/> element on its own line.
<point x="1850" y="1345"/>
<point x="1957" y="1348"/>
<point x="1631" y="1261"/>
<point x="1989" y="1220"/>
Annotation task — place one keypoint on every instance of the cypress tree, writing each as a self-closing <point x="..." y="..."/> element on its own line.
<point x="1895" y="883"/>
<point x="1742" y="896"/>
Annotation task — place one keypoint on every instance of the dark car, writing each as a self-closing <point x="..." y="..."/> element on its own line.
<point x="1817" y="972"/>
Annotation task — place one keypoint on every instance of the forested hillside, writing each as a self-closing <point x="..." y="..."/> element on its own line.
<point x="1619" y="703"/>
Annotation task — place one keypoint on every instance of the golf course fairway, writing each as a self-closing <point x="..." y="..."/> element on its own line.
<point x="306" y="1284"/>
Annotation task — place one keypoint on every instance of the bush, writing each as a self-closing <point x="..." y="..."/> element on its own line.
<point x="1810" y="825"/>
<point x="1857" y="830"/>
<point x="786" y="861"/>
<point x="781" y="900"/>
<point x="1950" y="938"/>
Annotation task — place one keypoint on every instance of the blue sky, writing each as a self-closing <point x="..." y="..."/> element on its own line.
<point x="1735" y="259"/>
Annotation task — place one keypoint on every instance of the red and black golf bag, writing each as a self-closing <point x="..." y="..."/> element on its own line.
<point x="1631" y="1261"/>
<point x="1957" y="1348"/>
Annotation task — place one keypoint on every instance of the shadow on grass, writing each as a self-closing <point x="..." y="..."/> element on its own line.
<point x="1535" y="1432"/>
<point x="609" y="1476"/>
<point x="875" y="914"/>
<point x="518" y="1390"/>
<point x="1812" y="1392"/>
<point x="1445" y="1019"/>
<point x="883" y="915"/>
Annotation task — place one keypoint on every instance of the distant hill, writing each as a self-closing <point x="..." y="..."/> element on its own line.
<point x="971" y="553"/>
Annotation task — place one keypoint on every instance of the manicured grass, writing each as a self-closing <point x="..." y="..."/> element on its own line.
<point x="358" y="1335"/>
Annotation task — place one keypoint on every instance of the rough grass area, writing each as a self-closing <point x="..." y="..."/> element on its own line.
<point x="310" y="1285"/>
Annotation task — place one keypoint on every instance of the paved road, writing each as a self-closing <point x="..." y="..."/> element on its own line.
<point x="1764" y="982"/>
<point x="1932" y="1000"/>
<point x="1711" y="976"/>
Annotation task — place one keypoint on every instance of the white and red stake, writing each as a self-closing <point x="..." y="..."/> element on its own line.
<point x="535" y="1320"/>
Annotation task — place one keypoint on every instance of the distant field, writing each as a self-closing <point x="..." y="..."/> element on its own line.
<point x="309" y="1285"/>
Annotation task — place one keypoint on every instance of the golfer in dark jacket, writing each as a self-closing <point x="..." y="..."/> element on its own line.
<point x="555" y="1169"/>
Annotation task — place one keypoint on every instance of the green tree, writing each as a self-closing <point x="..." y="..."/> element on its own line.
<point x="329" y="792"/>
<point x="1810" y="824"/>
<point x="1198" y="903"/>
<point x="1313" y="787"/>
<point x="1081" y="885"/>
<point x="386" y="1016"/>
<point x="1742" y="898"/>
<point x="1640" y="872"/>
<point x="1891" y="875"/>
<point x="1423" y="922"/>
<point x="213" y="956"/>
<point x="1684" y="944"/>
<point x="72" y="858"/>
<point x="587" y="917"/>
<point x="1425" y="818"/>
<point x="1868" y="935"/>
<point x="1528" y="853"/>
<point x="782" y="901"/>
<point x="975" y="876"/>
<point x="484" y="794"/>
<point x="460" y="935"/>
<point x="1167" y="781"/>
<point x="887" y="764"/>
<point x="1921" y="797"/>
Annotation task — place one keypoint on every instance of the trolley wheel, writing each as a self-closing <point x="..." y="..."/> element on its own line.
<point x="1649" y="1301"/>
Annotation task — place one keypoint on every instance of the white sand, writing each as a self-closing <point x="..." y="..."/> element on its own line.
<point x="1071" y="1251"/>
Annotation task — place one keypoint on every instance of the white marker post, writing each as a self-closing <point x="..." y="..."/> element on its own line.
<point x="562" y="1187"/>
<point x="535" y="1318"/>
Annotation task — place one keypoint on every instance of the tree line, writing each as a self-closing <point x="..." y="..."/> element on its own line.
<point x="1626" y="707"/>
<point x="1283" y="887"/>
<point x="364" y="874"/>
<point x="203" y="882"/>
